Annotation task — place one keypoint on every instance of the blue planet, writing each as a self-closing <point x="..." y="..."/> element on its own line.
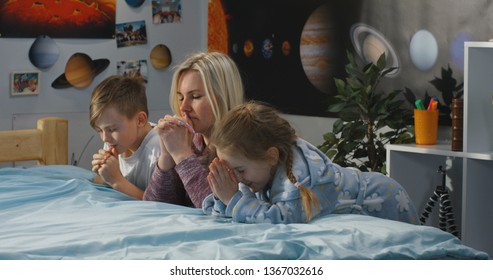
<point x="267" y="47"/>
<point x="457" y="48"/>
<point x="44" y="52"/>
<point x="134" y="3"/>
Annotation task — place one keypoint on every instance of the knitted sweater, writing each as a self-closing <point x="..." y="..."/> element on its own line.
<point x="186" y="184"/>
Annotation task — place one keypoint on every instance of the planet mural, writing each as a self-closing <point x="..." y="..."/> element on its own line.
<point x="315" y="48"/>
<point x="248" y="48"/>
<point x="160" y="56"/>
<point x="423" y="50"/>
<point x="286" y="48"/>
<point x="456" y="48"/>
<point x="267" y="48"/>
<point x="234" y="48"/>
<point x="135" y="3"/>
<point x="80" y="71"/>
<point x="370" y="44"/>
<point x="44" y="52"/>
<point x="217" y="28"/>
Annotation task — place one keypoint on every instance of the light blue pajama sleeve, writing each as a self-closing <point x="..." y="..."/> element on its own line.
<point x="248" y="207"/>
<point x="251" y="208"/>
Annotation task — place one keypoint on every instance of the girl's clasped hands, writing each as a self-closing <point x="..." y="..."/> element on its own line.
<point x="222" y="180"/>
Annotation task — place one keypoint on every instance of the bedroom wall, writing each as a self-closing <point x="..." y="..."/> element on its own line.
<point x="21" y="112"/>
<point x="181" y="38"/>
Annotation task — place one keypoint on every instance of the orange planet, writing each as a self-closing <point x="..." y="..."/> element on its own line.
<point x="160" y="56"/>
<point x="286" y="48"/>
<point x="248" y="48"/>
<point x="79" y="71"/>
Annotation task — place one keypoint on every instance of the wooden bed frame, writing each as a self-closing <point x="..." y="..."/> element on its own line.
<point x="48" y="144"/>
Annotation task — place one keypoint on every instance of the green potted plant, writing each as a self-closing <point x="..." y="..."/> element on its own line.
<point x="368" y="118"/>
<point x="449" y="89"/>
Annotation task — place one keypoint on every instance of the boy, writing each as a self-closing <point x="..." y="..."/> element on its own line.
<point x="118" y="111"/>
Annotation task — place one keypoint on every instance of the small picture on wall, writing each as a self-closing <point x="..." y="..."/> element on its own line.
<point x="131" y="34"/>
<point x="166" y="11"/>
<point x="24" y="83"/>
<point x="132" y="67"/>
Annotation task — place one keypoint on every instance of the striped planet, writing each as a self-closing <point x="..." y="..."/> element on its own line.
<point x="315" y="48"/>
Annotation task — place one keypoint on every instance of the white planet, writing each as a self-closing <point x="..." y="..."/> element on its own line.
<point x="423" y="50"/>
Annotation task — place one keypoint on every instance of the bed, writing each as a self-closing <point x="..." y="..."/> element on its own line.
<point x="54" y="211"/>
<point x="46" y="144"/>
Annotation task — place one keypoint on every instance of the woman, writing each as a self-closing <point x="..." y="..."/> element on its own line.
<point x="204" y="88"/>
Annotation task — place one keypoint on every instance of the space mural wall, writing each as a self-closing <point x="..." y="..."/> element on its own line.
<point x="290" y="51"/>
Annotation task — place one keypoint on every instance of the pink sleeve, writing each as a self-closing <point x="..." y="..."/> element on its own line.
<point x="193" y="174"/>
<point x="166" y="187"/>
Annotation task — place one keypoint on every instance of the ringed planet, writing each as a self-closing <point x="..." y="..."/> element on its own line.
<point x="370" y="44"/>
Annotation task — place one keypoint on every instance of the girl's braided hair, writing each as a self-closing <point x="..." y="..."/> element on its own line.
<point x="251" y="129"/>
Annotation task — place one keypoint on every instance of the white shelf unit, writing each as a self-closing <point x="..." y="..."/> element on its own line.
<point x="470" y="172"/>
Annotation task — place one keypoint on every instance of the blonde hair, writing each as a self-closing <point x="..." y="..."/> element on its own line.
<point x="222" y="82"/>
<point x="126" y="93"/>
<point x="251" y="129"/>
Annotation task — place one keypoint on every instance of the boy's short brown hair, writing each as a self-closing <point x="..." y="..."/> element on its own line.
<point x="126" y="93"/>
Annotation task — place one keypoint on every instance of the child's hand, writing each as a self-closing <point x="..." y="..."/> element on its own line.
<point x="98" y="159"/>
<point x="105" y="164"/>
<point x="222" y="180"/>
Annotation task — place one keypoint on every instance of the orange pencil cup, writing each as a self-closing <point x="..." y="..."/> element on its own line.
<point x="426" y="126"/>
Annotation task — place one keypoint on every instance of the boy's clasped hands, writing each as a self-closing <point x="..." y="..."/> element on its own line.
<point x="105" y="163"/>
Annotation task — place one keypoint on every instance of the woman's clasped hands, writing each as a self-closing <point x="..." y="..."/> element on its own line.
<point x="176" y="134"/>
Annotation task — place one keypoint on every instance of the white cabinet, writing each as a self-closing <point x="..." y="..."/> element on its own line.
<point x="470" y="172"/>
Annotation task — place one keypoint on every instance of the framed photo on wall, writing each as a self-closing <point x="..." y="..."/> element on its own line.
<point x="24" y="83"/>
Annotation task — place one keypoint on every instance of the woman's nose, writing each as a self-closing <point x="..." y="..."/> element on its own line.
<point x="185" y="106"/>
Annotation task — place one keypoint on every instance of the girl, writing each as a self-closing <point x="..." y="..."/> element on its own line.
<point x="204" y="87"/>
<point x="265" y="173"/>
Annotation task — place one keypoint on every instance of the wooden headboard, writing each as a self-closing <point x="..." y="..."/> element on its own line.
<point x="48" y="144"/>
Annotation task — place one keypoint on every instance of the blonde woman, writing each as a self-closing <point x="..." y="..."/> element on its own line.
<point x="204" y="88"/>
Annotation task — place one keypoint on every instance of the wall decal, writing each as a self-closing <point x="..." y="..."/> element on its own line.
<point x="290" y="51"/>
<point x="44" y="52"/>
<point x="160" y="56"/>
<point x="80" y="70"/>
<point x="58" y="19"/>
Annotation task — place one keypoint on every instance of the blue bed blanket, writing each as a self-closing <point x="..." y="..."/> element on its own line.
<point x="55" y="212"/>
